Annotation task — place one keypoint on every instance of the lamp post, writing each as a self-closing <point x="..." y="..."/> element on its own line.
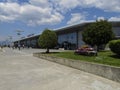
<point x="10" y="40"/>
<point x="19" y="33"/>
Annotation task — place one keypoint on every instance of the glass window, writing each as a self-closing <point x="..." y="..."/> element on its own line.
<point x="70" y="37"/>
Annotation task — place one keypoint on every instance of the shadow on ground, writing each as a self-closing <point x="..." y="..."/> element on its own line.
<point x="115" y="56"/>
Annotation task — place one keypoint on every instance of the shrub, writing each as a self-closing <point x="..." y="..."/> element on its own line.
<point x="114" y="45"/>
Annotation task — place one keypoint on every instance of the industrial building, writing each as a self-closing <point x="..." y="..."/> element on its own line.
<point x="69" y="37"/>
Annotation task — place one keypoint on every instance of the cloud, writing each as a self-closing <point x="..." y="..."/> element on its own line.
<point x="77" y="18"/>
<point x="113" y="5"/>
<point x="29" y="13"/>
<point x="114" y="18"/>
<point x="41" y="3"/>
<point x="11" y="0"/>
<point x="41" y="12"/>
<point x="65" y="5"/>
<point x="34" y="15"/>
<point x="7" y="12"/>
<point x="101" y="18"/>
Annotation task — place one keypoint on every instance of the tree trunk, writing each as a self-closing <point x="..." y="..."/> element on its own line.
<point x="47" y="50"/>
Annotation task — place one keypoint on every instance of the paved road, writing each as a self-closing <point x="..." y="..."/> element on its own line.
<point x="19" y="70"/>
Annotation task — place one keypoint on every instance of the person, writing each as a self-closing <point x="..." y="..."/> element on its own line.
<point x="1" y="49"/>
<point x="13" y="46"/>
<point x="19" y="46"/>
<point x="23" y="46"/>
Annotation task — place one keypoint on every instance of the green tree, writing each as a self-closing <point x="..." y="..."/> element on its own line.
<point x="48" y="39"/>
<point x="98" y="33"/>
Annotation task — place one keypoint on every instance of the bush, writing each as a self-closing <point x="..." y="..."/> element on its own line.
<point x="114" y="45"/>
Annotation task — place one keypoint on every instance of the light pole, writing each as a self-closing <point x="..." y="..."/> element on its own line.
<point x="10" y="40"/>
<point x="19" y="33"/>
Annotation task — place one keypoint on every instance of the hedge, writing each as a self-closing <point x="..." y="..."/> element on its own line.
<point x="114" y="45"/>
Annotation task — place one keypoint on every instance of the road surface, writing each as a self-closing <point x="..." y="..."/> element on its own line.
<point x="19" y="70"/>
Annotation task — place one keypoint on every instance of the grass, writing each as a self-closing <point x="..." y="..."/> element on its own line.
<point x="104" y="57"/>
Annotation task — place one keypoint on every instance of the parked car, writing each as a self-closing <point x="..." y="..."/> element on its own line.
<point x="86" y="51"/>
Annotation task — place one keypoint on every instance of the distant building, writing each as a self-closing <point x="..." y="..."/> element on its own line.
<point x="69" y="37"/>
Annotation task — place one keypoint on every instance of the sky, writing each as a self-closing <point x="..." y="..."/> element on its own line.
<point x="33" y="16"/>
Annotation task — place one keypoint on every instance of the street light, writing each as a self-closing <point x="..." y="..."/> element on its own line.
<point x="10" y="40"/>
<point x="19" y="33"/>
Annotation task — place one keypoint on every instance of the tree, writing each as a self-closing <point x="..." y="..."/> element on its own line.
<point x="48" y="39"/>
<point x="98" y="33"/>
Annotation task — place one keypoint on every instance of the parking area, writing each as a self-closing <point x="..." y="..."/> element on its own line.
<point x="19" y="70"/>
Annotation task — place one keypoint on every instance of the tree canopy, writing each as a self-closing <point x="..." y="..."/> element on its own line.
<point x="48" y="39"/>
<point x="98" y="33"/>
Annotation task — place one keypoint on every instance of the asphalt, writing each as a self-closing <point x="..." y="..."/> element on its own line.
<point x="19" y="70"/>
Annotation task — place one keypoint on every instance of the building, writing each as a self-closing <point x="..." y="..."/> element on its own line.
<point x="68" y="37"/>
<point x="31" y="41"/>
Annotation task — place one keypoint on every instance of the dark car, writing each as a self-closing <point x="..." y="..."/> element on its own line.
<point x="86" y="51"/>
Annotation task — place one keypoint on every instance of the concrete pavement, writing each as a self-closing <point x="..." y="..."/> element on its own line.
<point x="19" y="70"/>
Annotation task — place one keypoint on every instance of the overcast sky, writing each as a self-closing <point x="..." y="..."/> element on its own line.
<point x="33" y="16"/>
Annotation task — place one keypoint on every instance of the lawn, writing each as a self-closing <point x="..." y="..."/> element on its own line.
<point x="104" y="57"/>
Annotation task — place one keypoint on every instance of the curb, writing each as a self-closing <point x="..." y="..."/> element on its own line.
<point x="106" y="71"/>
